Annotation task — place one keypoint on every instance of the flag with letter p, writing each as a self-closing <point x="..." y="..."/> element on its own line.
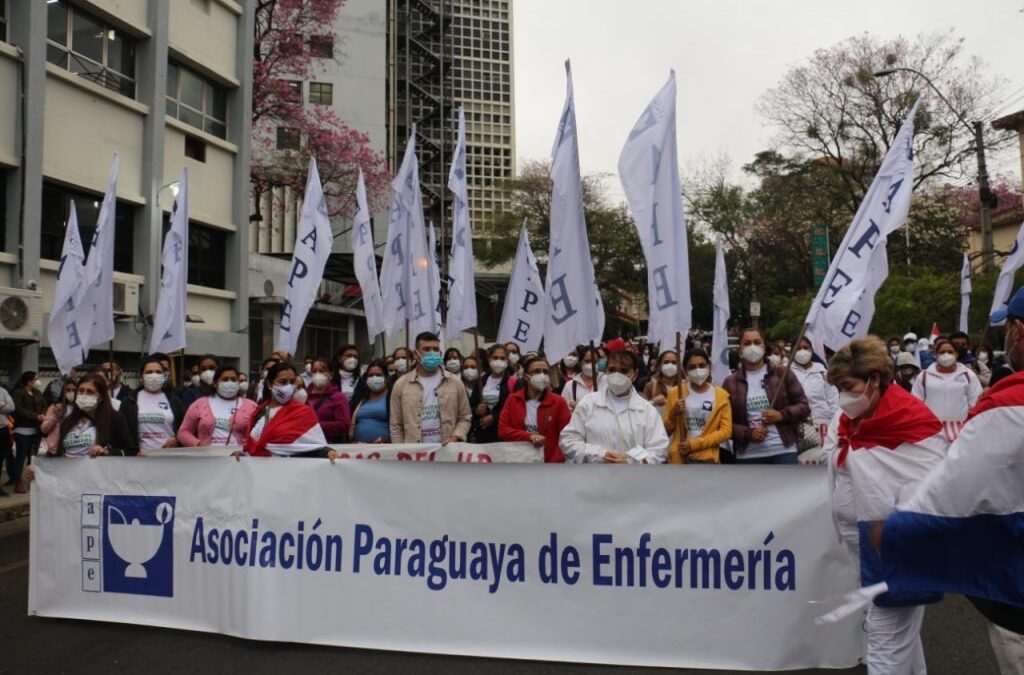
<point x="575" y="313"/>
<point x="845" y="304"/>
<point x="522" y="318"/>
<point x="169" y="320"/>
<point x="62" y="328"/>
<point x="461" y="279"/>
<point x="649" y="171"/>
<point x="313" y="243"/>
<point x="365" y="262"/>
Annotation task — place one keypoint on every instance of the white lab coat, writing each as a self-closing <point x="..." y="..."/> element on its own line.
<point x="822" y="396"/>
<point x="596" y="428"/>
<point x="949" y="395"/>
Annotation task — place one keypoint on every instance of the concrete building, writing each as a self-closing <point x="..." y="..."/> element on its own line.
<point x="165" y="84"/>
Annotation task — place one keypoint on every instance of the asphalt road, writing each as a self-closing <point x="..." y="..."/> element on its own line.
<point x="955" y="642"/>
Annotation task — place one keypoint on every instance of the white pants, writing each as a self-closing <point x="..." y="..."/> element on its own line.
<point x="894" y="641"/>
<point x="1009" y="649"/>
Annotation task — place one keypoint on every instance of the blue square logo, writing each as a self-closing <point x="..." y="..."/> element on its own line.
<point x="138" y="545"/>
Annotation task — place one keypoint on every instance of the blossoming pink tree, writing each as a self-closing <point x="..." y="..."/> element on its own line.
<point x="286" y="35"/>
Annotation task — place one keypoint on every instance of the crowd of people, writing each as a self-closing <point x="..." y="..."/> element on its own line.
<point x="616" y="403"/>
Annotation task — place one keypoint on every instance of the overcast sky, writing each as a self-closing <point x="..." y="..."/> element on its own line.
<point x="726" y="54"/>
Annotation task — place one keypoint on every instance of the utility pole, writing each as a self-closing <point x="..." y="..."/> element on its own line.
<point x="985" y="197"/>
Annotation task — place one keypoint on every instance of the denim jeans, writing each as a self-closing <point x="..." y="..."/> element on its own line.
<point x="23" y="446"/>
<point x="785" y="458"/>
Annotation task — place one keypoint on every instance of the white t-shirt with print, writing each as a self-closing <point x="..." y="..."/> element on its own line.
<point x="492" y="392"/>
<point x="265" y="416"/>
<point x="430" y="416"/>
<point x="348" y="383"/>
<point x="698" y="410"/>
<point x="757" y="403"/>
<point x="156" y="419"/>
<point x="223" y="412"/>
<point x="532" y="406"/>
<point x="80" y="438"/>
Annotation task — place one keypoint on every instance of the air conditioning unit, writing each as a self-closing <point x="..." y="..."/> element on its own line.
<point x="126" y="298"/>
<point x="21" y="314"/>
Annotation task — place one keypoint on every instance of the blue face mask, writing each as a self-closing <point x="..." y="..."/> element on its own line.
<point x="601" y="365"/>
<point x="432" y="361"/>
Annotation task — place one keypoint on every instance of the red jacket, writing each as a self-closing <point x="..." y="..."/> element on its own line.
<point x="552" y="416"/>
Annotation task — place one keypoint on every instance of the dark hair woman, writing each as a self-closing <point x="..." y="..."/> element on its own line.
<point x="221" y="418"/>
<point x="534" y="413"/>
<point x="29" y="412"/>
<point x="697" y="414"/>
<point x="281" y="425"/>
<point x="327" y="401"/>
<point x="159" y="413"/>
<point x="94" y="428"/>
<point x="494" y="391"/>
<point x="371" y="419"/>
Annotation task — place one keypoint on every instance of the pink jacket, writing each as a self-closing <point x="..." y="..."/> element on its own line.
<point x="197" y="427"/>
<point x="50" y="427"/>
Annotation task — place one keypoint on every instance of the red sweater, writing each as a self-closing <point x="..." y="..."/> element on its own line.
<point x="552" y="416"/>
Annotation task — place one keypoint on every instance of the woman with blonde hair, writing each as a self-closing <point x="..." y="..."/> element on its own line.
<point x="698" y="414"/>
<point x="886" y="441"/>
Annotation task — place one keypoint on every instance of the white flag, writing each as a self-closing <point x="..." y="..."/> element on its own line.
<point x="62" y="328"/>
<point x="720" y="333"/>
<point x="965" y="293"/>
<point x="522" y="318"/>
<point x="461" y="280"/>
<point x="574" y="313"/>
<point x="421" y="310"/>
<point x="169" y="321"/>
<point x="94" y="303"/>
<point x="313" y="244"/>
<point x="845" y="303"/>
<point x="435" y="276"/>
<point x="365" y="263"/>
<point x="649" y="171"/>
<point x="1004" y="285"/>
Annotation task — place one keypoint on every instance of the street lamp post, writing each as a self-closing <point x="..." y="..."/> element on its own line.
<point x="985" y="195"/>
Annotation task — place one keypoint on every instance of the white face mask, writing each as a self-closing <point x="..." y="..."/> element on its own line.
<point x="669" y="369"/>
<point x="376" y="383"/>
<point x="752" y="353"/>
<point x="195" y="380"/>
<point x="588" y="369"/>
<point x="698" y="375"/>
<point x="894" y="349"/>
<point x="453" y="366"/>
<point x="153" y="382"/>
<point x="513" y="358"/>
<point x="470" y="374"/>
<point x="803" y="356"/>
<point x="571" y="361"/>
<point x="983" y="357"/>
<point x="283" y="393"/>
<point x="540" y="381"/>
<point x="946" y="360"/>
<point x="498" y="366"/>
<point x="227" y="389"/>
<point x="319" y="380"/>
<point x="855" y="405"/>
<point x="87" y="402"/>
<point x="207" y="375"/>
<point x="775" y="360"/>
<point x="619" y="383"/>
<point x="301" y="395"/>
<point x="350" y="364"/>
<point x="69" y="396"/>
<point x="401" y="366"/>
<point x="243" y="385"/>
<point x="307" y="367"/>
<point x="910" y="347"/>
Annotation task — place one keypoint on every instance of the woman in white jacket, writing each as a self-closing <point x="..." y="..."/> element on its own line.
<point x="949" y="388"/>
<point x="821" y="396"/>
<point x="615" y="425"/>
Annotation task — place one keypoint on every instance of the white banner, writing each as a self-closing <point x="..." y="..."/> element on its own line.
<point x="1004" y="285"/>
<point x="62" y="328"/>
<point x="965" y="293"/>
<point x="169" y="322"/>
<point x="720" y="333"/>
<point x="313" y="243"/>
<point x="575" y="313"/>
<point x="365" y="263"/>
<point x="485" y="453"/>
<point x="522" y="317"/>
<point x="534" y="562"/>
<point x="845" y="304"/>
<point x="461" y="278"/>
<point x="649" y="171"/>
<point x="94" y="303"/>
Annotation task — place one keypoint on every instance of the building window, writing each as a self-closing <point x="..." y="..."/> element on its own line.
<point x="288" y="139"/>
<point x="293" y="94"/>
<point x="321" y="92"/>
<point x="290" y="44"/>
<point x="85" y="45"/>
<point x="55" y="213"/>
<point x="195" y="148"/>
<point x="196" y="100"/>
<point x="207" y="251"/>
<point x="321" y="46"/>
<point x="3" y="20"/>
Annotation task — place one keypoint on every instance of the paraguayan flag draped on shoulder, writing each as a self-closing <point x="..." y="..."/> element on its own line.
<point x="845" y="303"/>
<point x="649" y="171"/>
<point x="94" y="303"/>
<point x="461" y="280"/>
<point x="169" y="322"/>
<point x="1004" y="285"/>
<point x="522" y="318"/>
<point x="965" y="293"/>
<point x="62" y="328"/>
<point x="575" y="313"/>
<point x="365" y="262"/>
<point x="720" y="333"/>
<point x="313" y="244"/>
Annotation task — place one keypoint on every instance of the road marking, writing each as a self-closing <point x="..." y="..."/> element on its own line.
<point x="15" y="566"/>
